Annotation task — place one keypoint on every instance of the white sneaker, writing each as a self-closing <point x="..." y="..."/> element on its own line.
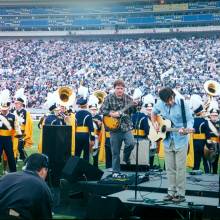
<point x="5" y="172"/>
<point x="119" y="175"/>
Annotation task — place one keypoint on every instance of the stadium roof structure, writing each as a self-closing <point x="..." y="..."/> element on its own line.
<point x="69" y="2"/>
<point x="55" y="2"/>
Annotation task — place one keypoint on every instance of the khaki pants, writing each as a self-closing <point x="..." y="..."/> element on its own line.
<point x="175" y="161"/>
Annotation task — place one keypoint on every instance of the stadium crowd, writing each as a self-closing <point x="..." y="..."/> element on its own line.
<point x="41" y="66"/>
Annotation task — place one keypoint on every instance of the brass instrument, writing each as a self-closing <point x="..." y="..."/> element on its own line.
<point x="100" y="95"/>
<point x="213" y="89"/>
<point x="66" y="96"/>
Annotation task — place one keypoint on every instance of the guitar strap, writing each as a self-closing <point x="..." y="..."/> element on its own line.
<point x="183" y="113"/>
<point x="184" y="119"/>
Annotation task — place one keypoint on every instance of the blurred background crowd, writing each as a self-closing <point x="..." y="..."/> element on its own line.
<point x="41" y="65"/>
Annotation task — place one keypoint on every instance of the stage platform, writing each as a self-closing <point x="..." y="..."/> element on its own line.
<point x="202" y="193"/>
<point x="197" y="185"/>
<point x="195" y="207"/>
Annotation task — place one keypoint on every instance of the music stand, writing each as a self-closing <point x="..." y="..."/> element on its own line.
<point x="137" y="127"/>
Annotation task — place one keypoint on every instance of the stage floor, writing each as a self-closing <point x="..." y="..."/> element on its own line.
<point x="202" y="193"/>
<point x="196" y="185"/>
<point x="156" y="199"/>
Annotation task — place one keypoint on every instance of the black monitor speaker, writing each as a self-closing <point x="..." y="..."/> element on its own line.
<point x="78" y="169"/>
<point x="101" y="207"/>
<point x="56" y="144"/>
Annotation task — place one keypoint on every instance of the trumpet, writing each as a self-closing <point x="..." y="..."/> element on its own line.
<point x="65" y="116"/>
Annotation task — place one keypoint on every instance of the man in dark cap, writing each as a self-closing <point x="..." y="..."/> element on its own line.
<point x="24" y="194"/>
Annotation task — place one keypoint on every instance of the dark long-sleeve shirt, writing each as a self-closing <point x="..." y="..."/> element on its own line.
<point x="113" y="103"/>
<point x="27" y="194"/>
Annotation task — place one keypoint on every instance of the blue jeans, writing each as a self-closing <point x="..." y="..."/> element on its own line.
<point x="116" y="139"/>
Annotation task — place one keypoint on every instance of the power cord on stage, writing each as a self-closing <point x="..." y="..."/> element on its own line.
<point x="181" y="216"/>
<point x="153" y="191"/>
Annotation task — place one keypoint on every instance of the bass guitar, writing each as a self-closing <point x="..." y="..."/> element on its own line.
<point x="165" y="126"/>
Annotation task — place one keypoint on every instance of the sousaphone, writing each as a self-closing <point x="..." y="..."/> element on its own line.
<point x="66" y="96"/>
<point x="212" y="88"/>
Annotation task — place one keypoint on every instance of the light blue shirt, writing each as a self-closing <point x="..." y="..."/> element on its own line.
<point x="174" y="114"/>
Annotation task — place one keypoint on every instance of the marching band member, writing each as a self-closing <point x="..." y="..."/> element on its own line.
<point x="25" y="122"/>
<point x="97" y="124"/>
<point x="213" y="143"/>
<point x="148" y="103"/>
<point x="53" y="117"/>
<point x="84" y="139"/>
<point x="201" y="132"/>
<point x="50" y="118"/>
<point x="9" y="127"/>
<point x="108" y="152"/>
<point x="105" y="154"/>
<point x="140" y="132"/>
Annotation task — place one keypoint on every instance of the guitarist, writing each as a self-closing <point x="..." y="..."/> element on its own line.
<point x="176" y="143"/>
<point x="112" y="106"/>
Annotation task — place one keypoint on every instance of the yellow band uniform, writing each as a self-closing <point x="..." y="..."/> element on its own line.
<point x="82" y="129"/>
<point x="138" y="132"/>
<point x="199" y="136"/>
<point x="6" y="133"/>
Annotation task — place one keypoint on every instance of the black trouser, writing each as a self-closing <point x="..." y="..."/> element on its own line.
<point x="151" y="162"/>
<point x="82" y="144"/>
<point x="108" y="154"/>
<point x="198" y="156"/>
<point x="7" y="146"/>
<point x="21" y="149"/>
<point x="96" y="159"/>
<point x="214" y="165"/>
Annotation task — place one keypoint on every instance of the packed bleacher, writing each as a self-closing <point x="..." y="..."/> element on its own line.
<point x="41" y="66"/>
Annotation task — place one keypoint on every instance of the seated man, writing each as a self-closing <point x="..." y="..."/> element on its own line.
<point x="25" y="194"/>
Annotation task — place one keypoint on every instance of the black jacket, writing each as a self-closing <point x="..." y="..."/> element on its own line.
<point x="26" y="193"/>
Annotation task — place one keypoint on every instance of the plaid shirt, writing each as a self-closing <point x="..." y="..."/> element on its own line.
<point x="112" y="103"/>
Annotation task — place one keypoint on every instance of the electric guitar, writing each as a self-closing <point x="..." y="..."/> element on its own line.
<point x="112" y="123"/>
<point x="164" y="127"/>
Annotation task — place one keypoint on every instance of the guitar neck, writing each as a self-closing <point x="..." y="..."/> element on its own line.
<point x="188" y="130"/>
<point x="126" y="107"/>
<point x="172" y="129"/>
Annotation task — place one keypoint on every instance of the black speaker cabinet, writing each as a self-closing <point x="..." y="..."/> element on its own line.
<point x="78" y="169"/>
<point x="101" y="207"/>
<point x="56" y="144"/>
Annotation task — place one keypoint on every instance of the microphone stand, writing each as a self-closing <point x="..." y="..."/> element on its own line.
<point x="137" y="127"/>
